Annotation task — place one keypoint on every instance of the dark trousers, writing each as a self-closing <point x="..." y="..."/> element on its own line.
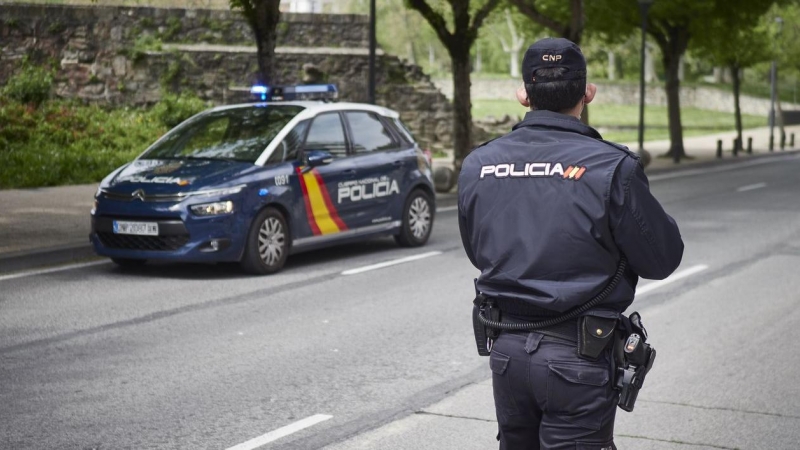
<point x="546" y="397"/>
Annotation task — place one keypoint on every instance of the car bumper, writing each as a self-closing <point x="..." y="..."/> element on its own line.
<point x="204" y="240"/>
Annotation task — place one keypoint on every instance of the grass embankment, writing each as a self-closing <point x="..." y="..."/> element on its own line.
<point x="62" y="142"/>
<point x="619" y="122"/>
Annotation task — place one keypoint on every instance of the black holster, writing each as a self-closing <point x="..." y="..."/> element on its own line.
<point x="484" y="336"/>
<point x="634" y="358"/>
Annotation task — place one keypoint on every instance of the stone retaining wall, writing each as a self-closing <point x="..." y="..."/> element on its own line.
<point x="100" y="58"/>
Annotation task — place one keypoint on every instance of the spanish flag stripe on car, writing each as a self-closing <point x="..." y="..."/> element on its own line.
<point x="310" y="214"/>
<point x="322" y="215"/>
<point x="334" y="214"/>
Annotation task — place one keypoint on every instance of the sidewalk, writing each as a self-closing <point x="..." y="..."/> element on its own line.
<point x="47" y="226"/>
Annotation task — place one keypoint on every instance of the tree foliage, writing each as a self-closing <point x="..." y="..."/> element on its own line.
<point x="566" y="19"/>
<point x="674" y="25"/>
<point x="457" y="28"/>
<point x="263" y="17"/>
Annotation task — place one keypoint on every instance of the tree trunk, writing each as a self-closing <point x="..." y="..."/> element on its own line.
<point x="736" y="108"/>
<point x="673" y="45"/>
<point x="676" y="151"/>
<point x="514" y="63"/>
<point x="612" y="66"/>
<point x="649" y="65"/>
<point x="462" y="107"/>
<point x="265" y="20"/>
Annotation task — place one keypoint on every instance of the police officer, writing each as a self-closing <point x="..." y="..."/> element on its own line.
<point x="547" y="212"/>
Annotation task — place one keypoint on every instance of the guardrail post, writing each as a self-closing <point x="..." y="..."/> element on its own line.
<point x="719" y="148"/>
<point x="750" y="145"/>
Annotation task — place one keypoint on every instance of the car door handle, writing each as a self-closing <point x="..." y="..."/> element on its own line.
<point x="399" y="163"/>
<point x="349" y="172"/>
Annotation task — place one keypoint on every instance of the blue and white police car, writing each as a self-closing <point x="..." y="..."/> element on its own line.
<point x="257" y="182"/>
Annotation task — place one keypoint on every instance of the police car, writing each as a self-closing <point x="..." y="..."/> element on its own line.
<point x="257" y="182"/>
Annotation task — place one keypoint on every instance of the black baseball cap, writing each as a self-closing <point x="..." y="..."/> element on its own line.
<point x="551" y="53"/>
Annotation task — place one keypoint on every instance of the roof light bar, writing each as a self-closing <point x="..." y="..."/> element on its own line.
<point x="289" y="93"/>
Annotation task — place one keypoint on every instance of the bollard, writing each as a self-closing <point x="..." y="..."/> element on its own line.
<point x="772" y="143"/>
<point x="719" y="148"/>
<point x="791" y="140"/>
<point x="736" y="147"/>
<point x="783" y="141"/>
<point x="750" y="145"/>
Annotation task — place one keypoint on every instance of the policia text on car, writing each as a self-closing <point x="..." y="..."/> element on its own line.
<point x="561" y="225"/>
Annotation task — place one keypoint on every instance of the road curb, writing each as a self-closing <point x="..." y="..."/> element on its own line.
<point x="34" y="259"/>
<point x="728" y="160"/>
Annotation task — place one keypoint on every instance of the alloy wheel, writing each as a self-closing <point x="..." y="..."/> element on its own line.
<point x="271" y="241"/>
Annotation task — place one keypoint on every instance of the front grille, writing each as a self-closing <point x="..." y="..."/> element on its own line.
<point x="133" y="242"/>
<point x="145" y="197"/>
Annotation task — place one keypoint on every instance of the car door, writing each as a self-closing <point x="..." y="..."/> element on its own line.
<point x="380" y="165"/>
<point x="320" y="185"/>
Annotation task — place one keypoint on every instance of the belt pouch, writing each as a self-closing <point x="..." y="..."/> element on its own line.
<point x="594" y="335"/>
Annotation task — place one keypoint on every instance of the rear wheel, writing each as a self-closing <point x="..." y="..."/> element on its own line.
<point x="267" y="245"/>
<point x="129" y="262"/>
<point x="417" y="220"/>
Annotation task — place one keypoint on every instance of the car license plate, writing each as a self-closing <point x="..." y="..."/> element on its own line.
<point x="138" y="228"/>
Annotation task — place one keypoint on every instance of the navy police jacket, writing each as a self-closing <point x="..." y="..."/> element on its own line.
<point x="546" y="211"/>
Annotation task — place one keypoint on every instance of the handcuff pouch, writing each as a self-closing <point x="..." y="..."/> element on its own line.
<point x="594" y="335"/>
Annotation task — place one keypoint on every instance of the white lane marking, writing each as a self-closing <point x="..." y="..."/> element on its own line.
<point x="705" y="171"/>
<point x="671" y="279"/>
<point x="751" y="187"/>
<point x="390" y="263"/>
<point x="281" y="432"/>
<point x="446" y="208"/>
<point x="54" y="269"/>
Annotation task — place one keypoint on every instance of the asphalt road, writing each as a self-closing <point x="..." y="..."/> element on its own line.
<point x="201" y="356"/>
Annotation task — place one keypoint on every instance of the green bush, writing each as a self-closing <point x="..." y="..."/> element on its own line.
<point x="31" y="84"/>
<point x="63" y="142"/>
<point x="174" y="109"/>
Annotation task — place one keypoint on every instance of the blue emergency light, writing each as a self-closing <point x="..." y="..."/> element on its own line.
<point x="288" y="93"/>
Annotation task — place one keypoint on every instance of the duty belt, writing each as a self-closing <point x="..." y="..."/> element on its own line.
<point x="567" y="330"/>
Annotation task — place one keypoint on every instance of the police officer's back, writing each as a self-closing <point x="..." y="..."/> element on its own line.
<point x="547" y="213"/>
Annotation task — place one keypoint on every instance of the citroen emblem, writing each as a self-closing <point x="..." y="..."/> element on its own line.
<point x="139" y="193"/>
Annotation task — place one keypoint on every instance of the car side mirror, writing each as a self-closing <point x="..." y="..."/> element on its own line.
<point x="316" y="158"/>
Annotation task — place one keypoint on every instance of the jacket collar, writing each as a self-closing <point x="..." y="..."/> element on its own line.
<point x="554" y="120"/>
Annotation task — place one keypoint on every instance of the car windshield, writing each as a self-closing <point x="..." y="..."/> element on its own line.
<point x="239" y="134"/>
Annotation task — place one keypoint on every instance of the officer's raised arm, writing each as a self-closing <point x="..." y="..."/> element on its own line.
<point x="644" y="232"/>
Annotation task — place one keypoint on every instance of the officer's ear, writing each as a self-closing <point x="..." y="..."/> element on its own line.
<point x="591" y="91"/>
<point x="522" y="97"/>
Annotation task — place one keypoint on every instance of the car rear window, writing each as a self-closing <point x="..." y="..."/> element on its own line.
<point x="404" y="131"/>
<point x="369" y="134"/>
<point x="239" y="134"/>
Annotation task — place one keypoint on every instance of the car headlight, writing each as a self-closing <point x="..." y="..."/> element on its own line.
<point x="218" y="192"/>
<point x="212" y="209"/>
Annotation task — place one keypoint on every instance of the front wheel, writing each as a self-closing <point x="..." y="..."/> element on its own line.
<point x="267" y="245"/>
<point x="417" y="220"/>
